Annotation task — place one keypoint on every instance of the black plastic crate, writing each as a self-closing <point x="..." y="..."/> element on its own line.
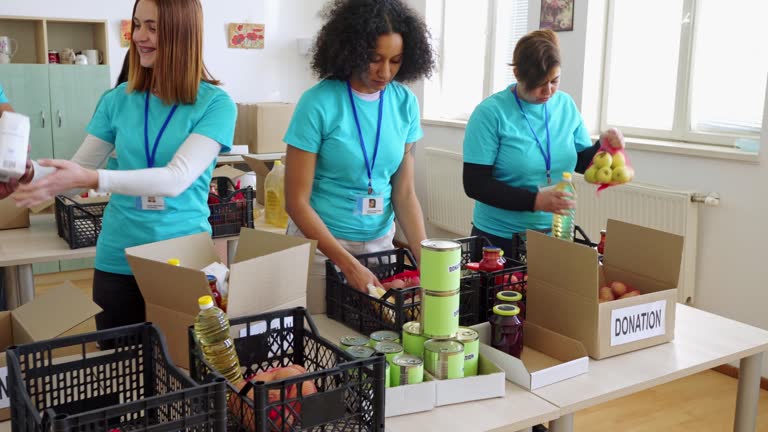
<point x="133" y="387"/>
<point x="367" y="314"/>
<point x="79" y="224"/>
<point x="229" y="216"/>
<point x="350" y="392"/>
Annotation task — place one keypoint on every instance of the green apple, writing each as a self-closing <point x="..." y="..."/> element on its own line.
<point x="622" y="174"/>
<point x="604" y="175"/>
<point x="602" y="159"/>
<point x="590" y="174"/>
<point x="618" y="160"/>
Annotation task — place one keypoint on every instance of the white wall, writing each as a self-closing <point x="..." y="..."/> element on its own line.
<point x="732" y="270"/>
<point x="277" y="72"/>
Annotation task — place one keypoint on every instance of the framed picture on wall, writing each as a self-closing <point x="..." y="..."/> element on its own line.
<point x="556" y="15"/>
<point x="246" y="36"/>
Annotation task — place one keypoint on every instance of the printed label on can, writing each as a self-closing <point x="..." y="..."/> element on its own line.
<point x="455" y="267"/>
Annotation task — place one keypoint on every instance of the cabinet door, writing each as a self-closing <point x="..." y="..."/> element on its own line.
<point x="26" y="86"/>
<point x="75" y="91"/>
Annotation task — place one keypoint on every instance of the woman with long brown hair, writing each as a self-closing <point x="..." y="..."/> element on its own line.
<point x="167" y="125"/>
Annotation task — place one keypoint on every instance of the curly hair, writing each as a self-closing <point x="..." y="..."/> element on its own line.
<point x="344" y="44"/>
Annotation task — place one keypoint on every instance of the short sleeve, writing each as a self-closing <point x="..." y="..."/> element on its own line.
<point x="305" y="131"/>
<point x="415" y="132"/>
<point x="481" y="137"/>
<point x="218" y="120"/>
<point x="581" y="138"/>
<point x="101" y="125"/>
<point x="3" y="97"/>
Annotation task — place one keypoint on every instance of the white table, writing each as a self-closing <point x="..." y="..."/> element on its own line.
<point x="40" y="242"/>
<point x="238" y="158"/>
<point x="518" y="409"/>
<point x="702" y="341"/>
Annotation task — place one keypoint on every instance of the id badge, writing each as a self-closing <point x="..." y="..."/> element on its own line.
<point x="151" y="203"/>
<point x="369" y="205"/>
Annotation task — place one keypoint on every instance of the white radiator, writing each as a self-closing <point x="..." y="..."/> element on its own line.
<point x="654" y="207"/>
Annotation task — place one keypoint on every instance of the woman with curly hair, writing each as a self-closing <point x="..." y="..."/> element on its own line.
<point x="351" y="137"/>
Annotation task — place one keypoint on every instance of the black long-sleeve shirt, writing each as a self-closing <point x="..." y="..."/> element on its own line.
<point x="481" y="185"/>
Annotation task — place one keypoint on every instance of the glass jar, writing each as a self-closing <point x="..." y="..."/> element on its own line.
<point x="601" y="245"/>
<point x="507" y="329"/>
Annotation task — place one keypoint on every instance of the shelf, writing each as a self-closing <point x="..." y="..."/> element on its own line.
<point x="35" y="36"/>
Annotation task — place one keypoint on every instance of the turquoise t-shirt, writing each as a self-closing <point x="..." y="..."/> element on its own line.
<point x="3" y="97"/>
<point x="119" y="119"/>
<point x="497" y="134"/>
<point x="323" y="123"/>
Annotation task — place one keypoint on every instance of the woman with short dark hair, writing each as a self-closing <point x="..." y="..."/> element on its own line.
<point x="351" y="138"/>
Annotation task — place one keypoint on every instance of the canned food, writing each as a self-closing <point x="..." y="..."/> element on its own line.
<point x="444" y="359"/>
<point x="53" y="57"/>
<point x="440" y="314"/>
<point x="440" y="265"/>
<point x="471" y="341"/>
<point x="389" y="349"/>
<point x="360" y="352"/>
<point x="407" y="369"/>
<point x="386" y="375"/>
<point x="348" y="341"/>
<point x="413" y="340"/>
<point x="383" y="336"/>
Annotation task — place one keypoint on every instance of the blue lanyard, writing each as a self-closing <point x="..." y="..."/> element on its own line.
<point x="151" y="156"/>
<point x="546" y="155"/>
<point x="368" y="166"/>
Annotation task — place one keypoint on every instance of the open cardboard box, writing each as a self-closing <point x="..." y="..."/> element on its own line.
<point x="564" y="279"/>
<point x="262" y="125"/>
<point x="547" y="358"/>
<point x="12" y="217"/>
<point x="412" y="398"/>
<point x="62" y="311"/>
<point x="269" y="273"/>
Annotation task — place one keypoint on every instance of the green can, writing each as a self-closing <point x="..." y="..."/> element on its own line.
<point x="471" y="341"/>
<point x="348" y="341"/>
<point x="440" y="265"/>
<point x="389" y="349"/>
<point x="383" y="336"/>
<point x="360" y="351"/>
<point x="440" y="314"/>
<point x="444" y="359"/>
<point x="387" y="374"/>
<point x="407" y="369"/>
<point x="413" y="340"/>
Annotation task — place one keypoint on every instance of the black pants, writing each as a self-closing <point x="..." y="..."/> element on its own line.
<point x="119" y="297"/>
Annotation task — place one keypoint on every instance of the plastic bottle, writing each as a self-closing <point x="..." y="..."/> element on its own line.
<point x="563" y="225"/>
<point x="274" y="196"/>
<point x="212" y="334"/>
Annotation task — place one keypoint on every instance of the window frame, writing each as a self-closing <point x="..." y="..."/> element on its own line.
<point x="681" y="127"/>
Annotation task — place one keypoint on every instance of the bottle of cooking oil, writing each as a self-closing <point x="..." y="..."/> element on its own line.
<point x="212" y="333"/>
<point x="563" y="225"/>
<point x="274" y="196"/>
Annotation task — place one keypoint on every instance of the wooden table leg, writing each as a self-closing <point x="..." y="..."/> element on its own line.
<point x="748" y="394"/>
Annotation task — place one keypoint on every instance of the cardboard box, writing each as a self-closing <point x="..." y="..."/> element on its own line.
<point x="547" y="358"/>
<point x="409" y="399"/>
<point x="261" y="168"/>
<point x="62" y="311"/>
<point x="262" y="126"/>
<point x="489" y="383"/>
<point x="564" y="279"/>
<point x="12" y="217"/>
<point x="269" y="273"/>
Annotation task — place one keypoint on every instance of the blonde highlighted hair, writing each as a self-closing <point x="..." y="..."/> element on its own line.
<point x="179" y="68"/>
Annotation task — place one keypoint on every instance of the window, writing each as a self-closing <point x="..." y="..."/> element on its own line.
<point x="474" y="41"/>
<point x="686" y="70"/>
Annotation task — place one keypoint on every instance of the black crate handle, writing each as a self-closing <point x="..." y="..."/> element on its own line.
<point x="76" y="204"/>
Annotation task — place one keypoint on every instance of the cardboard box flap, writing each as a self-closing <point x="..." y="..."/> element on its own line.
<point x="637" y="247"/>
<point x="255" y="243"/>
<point x="6" y="330"/>
<point x="553" y="344"/>
<point x="227" y="171"/>
<point x="52" y="314"/>
<point x="194" y="251"/>
<point x="567" y="265"/>
<point x="258" y="166"/>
